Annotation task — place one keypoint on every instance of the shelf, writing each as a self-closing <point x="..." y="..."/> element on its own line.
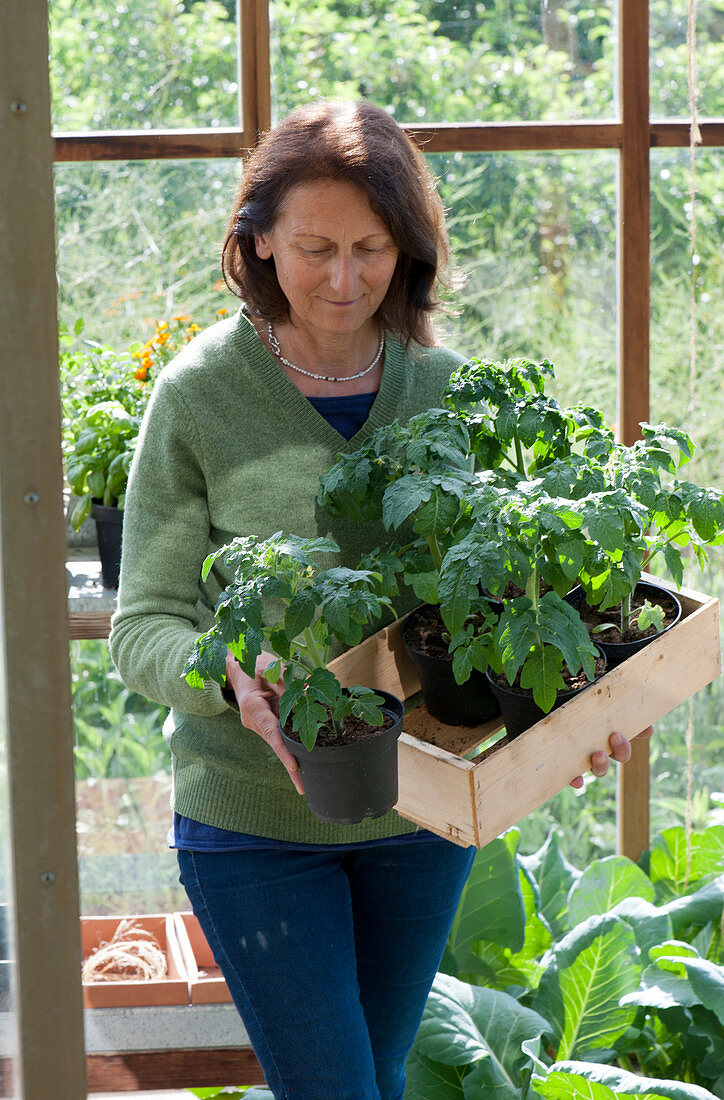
<point x="90" y="605"/>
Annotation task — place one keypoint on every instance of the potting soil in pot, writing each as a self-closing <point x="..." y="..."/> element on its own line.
<point x="355" y="729"/>
<point x="424" y="632"/>
<point x="572" y="682"/>
<point x="594" y="617"/>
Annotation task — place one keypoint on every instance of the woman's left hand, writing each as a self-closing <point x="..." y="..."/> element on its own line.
<point x="620" y="747"/>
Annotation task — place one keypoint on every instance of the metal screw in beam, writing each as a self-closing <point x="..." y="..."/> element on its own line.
<point x="47" y="878"/>
<point x="17" y="107"/>
<point x="31" y="498"/>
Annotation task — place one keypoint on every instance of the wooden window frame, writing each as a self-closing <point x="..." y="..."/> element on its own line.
<point x="632" y="135"/>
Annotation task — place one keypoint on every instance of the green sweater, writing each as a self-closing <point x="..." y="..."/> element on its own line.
<point x="229" y="446"/>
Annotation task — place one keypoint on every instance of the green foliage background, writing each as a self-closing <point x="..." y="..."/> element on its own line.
<point x="533" y="233"/>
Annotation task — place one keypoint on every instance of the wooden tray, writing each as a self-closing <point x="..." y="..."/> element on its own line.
<point x="471" y="797"/>
<point x="206" y="982"/>
<point x="171" y="990"/>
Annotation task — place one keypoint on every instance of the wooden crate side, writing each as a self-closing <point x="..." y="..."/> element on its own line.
<point x="183" y="936"/>
<point x="206" y="982"/>
<point x="379" y="662"/>
<point x="436" y="790"/>
<point x="522" y="775"/>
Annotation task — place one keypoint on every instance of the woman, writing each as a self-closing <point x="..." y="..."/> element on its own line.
<point x="329" y="936"/>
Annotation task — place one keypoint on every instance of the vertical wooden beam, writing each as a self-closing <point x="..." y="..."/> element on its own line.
<point x="634" y="309"/>
<point x="634" y="218"/>
<point x="633" y="802"/>
<point x="263" y="66"/>
<point x="254" y="69"/>
<point x="33" y="629"/>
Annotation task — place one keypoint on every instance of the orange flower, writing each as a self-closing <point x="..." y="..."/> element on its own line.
<point x="222" y="312"/>
<point x="161" y="338"/>
<point x="181" y="318"/>
<point x="141" y="374"/>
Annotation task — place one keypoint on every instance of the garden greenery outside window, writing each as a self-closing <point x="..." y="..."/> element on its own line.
<point x="448" y="60"/>
<point x="163" y="223"/>
<point x="160" y="64"/>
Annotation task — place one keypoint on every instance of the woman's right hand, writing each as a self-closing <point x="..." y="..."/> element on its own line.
<point x="259" y="708"/>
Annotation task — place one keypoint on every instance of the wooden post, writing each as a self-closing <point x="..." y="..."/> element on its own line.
<point x="634" y="279"/>
<point x="254" y="69"/>
<point x="36" y="714"/>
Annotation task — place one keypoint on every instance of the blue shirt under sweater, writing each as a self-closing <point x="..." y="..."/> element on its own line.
<point x="346" y="415"/>
<point x="193" y="836"/>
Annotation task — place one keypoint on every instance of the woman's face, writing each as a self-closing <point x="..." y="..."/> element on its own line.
<point x="334" y="257"/>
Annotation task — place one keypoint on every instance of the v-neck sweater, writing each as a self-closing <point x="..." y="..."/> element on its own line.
<point x="229" y="446"/>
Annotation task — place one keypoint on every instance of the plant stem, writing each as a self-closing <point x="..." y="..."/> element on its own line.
<point x="654" y="550"/>
<point x="520" y="461"/>
<point x="316" y="656"/>
<point x="435" y="551"/>
<point x="625" y="614"/>
<point x="532" y="588"/>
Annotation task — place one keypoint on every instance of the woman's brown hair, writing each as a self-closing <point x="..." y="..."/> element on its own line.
<point x="357" y="143"/>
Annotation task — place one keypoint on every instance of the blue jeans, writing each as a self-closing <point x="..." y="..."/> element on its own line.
<point x="329" y="956"/>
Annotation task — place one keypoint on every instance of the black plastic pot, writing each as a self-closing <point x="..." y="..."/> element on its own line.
<point x="109" y="527"/>
<point x="452" y="703"/>
<point x="520" y="712"/>
<point x="617" y="652"/>
<point x="346" y="783"/>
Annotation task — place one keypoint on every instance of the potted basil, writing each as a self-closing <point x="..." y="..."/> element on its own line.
<point x="104" y="396"/>
<point x="281" y="601"/>
<point x="97" y="471"/>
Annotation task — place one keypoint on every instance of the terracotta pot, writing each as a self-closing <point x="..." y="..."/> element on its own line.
<point x="347" y="783"/>
<point x="171" y="990"/>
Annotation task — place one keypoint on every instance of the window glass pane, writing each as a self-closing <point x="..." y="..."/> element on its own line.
<point x="139" y="242"/>
<point x="669" y="58"/>
<point x="138" y="260"/>
<point x="535" y="236"/>
<point x="123" y="787"/>
<point x="447" y="60"/>
<point x="671" y="300"/>
<point x="161" y="63"/>
<point x="671" y="403"/>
